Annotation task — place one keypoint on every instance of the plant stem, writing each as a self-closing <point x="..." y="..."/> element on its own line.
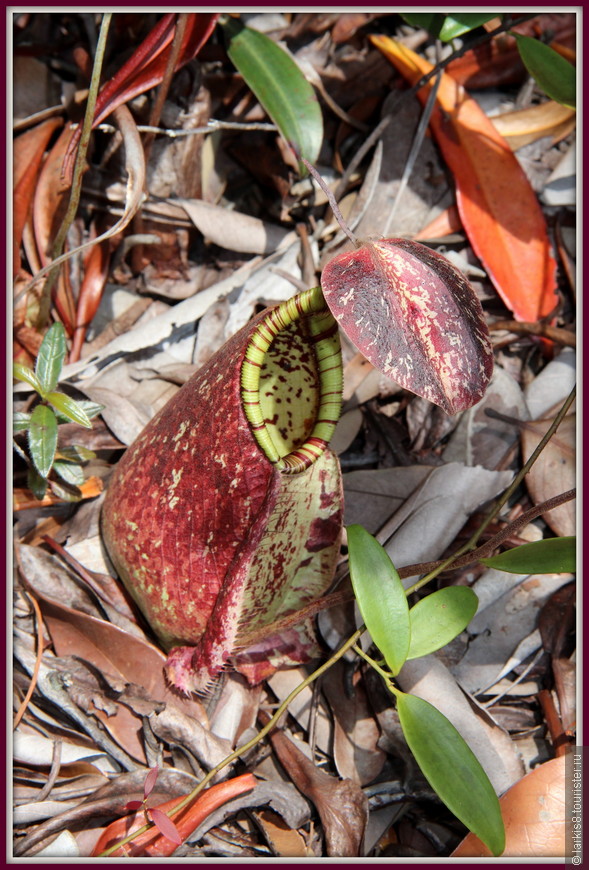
<point x="251" y="743"/>
<point x="79" y="168"/>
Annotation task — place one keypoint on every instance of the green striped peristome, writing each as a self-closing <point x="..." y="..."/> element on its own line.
<point x="291" y="381"/>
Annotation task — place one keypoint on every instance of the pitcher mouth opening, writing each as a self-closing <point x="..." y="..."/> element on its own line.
<point x="316" y="384"/>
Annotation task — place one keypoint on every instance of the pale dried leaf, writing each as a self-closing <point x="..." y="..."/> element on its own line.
<point x="234" y="230"/>
<point x="482" y="440"/>
<point x="502" y="623"/>
<point x="355" y="746"/>
<point x="429" y="679"/>
<point x="441" y="505"/>
<point x="554" y="471"/>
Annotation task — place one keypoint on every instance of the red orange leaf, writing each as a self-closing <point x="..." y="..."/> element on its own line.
<point x="146" y="66"/>
<point x="28" y="154"/>
<point x="152" y="843"/>
<point x="497" y="205"/>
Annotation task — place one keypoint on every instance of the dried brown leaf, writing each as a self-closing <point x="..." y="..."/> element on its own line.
<point x="555" y="470"/>
<point x="356" y="752"/>
<point x="341" y="804"/>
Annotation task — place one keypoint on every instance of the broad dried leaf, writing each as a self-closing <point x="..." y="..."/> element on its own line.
<point x="534" y="815"/>
<point x="342" y="805"/>
<point x="285" y="842"/>
<point x="554" y="471"/>
<point x="233" y="230"/>
<point x="118" y="653"/>
<point x="497" y="205"/>
<point x="528" y="125"/>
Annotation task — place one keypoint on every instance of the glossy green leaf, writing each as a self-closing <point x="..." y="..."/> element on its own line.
<point x="550" y="556"/>
<point x="91" y="409"/>
<point x="452" y="769"/>
<point x="280" y="87"/>
<point x="36" y="483"/>
<point x="439" y="618"/>
<point x="458" y="23"/>
<point x="380" y="596"/>
<point x="555" y="75"/>
<point x="50" y="358"/>
<point x="69" y="472"/>
<point x="430" y="21"/>
<point x="23" y="373"/>
<point x="20" y="421"/>
<point x="43" y="439"/>
<point x="69" y="408"/>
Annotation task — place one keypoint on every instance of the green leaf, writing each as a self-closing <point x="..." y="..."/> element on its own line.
<point x="75" y="453"/>
<point x="24" y="373"/>
<point x="43" y="438"/>
<point x="551" y="556"/>
<point x="20" y="421"/>
<point x="458" y="23"/>
<point x="280" y="86"/>
<point x="555" y="75"/>
<point x="439" y="618"/>
<point x="380" y="596"/>
<point x="36" y="483"/>
<point x="452" y="769"/>
<point x="69" y="408"/>
<point x="430" y="21"/>
<point x="51" y="356"/>
<point x="70" y="472"/>
<point x="92" y="409"/>
<point x="65" y="491"/>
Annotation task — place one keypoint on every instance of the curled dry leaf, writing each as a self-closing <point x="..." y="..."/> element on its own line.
<point x="356" y="735"/>
<point x="117" y="653"/>
<point x="28" y="152"/>
<point x="534" y="815"/>
<point x="554" y="471"/>
<point x="135" y="166"/>
<point x="341" y="804"/>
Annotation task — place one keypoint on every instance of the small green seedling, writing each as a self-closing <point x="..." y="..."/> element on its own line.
<point x="403" y="633"/>
<point x="44" y="457"/>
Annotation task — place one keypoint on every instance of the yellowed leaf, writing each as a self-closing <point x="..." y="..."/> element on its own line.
<point x="527" y="125"/>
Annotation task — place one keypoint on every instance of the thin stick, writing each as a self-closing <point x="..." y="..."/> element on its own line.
<point x="332" y="202"/>
<point x="33" y="683"/>
<point x="414" y="151"/>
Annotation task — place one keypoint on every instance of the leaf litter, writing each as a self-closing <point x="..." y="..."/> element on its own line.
<point x="216" y="235"/>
